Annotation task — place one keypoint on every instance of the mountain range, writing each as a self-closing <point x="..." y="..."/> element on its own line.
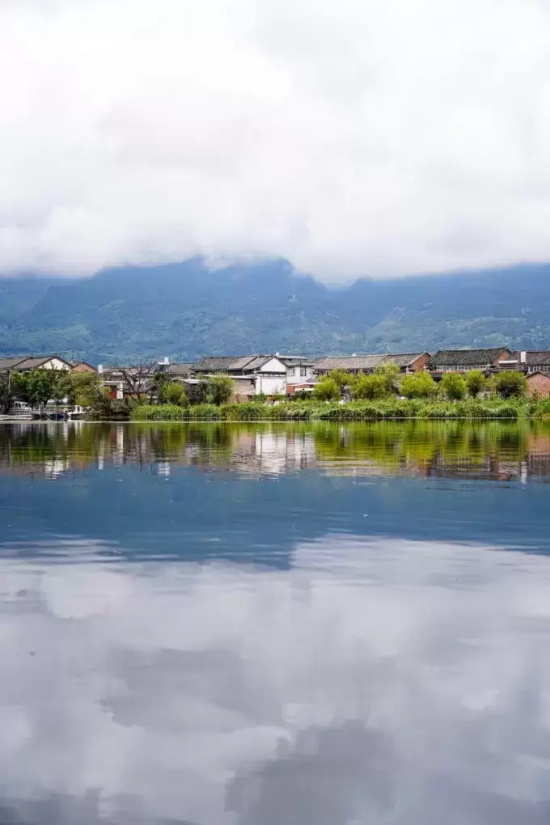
<point x="187" y="310"/>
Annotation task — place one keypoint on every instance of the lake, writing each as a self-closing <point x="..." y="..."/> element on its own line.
<point x="247" y="624"/>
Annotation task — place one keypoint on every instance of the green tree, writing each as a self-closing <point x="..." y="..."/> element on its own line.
<point x="220" y="389"/>
<point x="174" y="393"/>
<point x="327" y="390"/>
<point x="62" y="386"/>
<point x="160" y="379"/>
<point x="454" y="386"/>
<point x="476" y="382"/>
<point x="369" y="386"/>
<point x="510" y="384"/>
<point x="390" y="374"/>
<point x="198" y="393"/>
<point x="84" y="389"/>
<point x="418" y="385"/>
<point x="36" y="387"/>
<point x="7" y="395"/>
<point x="341" y="378"/>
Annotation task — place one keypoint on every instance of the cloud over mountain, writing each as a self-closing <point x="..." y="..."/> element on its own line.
<point x="349" y="136"/>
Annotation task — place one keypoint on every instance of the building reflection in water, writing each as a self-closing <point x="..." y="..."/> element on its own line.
<point x="464" y="450"/>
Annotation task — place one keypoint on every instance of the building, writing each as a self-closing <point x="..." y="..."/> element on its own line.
<point x="300" y="375"/>
<point x="252" y="374"/>
<point x="83" y="366"/>
<point x="528" y="361"/>
<point x="538" y="384"/>
<point x="27" y="363"/>
<point x="354" y="364"/>
<point x="177" y="372"/>
<point x="465" y="360"/>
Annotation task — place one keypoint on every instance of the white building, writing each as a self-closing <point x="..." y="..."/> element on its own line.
<point x="253" y="374"/>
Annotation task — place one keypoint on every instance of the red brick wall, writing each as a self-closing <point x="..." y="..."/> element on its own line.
<point x="502" y="357"/>
<point x="537" y="383"/>
<point x="83" y="368"/>
<point x="420" y="363"/>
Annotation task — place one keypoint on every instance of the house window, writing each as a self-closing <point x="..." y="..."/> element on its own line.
<point x="303" y="372"/>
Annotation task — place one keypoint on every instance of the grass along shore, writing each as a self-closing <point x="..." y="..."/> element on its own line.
<point x="392" y="409"/>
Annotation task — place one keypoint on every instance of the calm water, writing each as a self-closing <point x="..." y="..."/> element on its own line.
<point x="275" y="624"/>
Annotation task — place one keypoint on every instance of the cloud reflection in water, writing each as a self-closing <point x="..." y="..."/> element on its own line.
<point x="374" y="682"/>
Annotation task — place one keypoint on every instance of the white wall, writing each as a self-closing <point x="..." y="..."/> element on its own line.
<point x="294" y="376"/>
<point x="271" y="384"/>
<point x="55" y="364"/>
<point x="274" y="365"/>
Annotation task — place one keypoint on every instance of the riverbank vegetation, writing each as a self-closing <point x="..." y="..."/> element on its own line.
<point x="385" y="394"/>
<point x="469" y="409"/>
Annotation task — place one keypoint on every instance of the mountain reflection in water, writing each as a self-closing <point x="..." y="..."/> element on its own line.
<point x="275" y="624"/>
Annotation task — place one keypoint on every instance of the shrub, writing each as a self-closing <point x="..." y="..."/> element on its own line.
<point x="454" y="386"/>
<point x="220" y="389"/>
<point x="159" y="412"/>
<point x="327" y="390"/>
<point x="510" y="384"/>
<point x="174" y="394"/>
<point x="418" y="385"/>
<point x="390" y="374"/>
<point x="369" y="387"/>
<point x="475" y="382"/>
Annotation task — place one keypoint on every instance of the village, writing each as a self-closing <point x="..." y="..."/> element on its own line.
<point x="270" y="376"/>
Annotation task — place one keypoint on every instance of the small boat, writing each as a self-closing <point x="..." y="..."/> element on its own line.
<point x="75" y="412"/>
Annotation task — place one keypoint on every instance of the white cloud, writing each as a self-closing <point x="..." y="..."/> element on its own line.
<point x="350" y="136"/>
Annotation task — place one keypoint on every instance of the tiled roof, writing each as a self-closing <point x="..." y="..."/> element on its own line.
<point x="248" y="362"/>
<point x="10" y="363"/>
<point x="466" y="357"/>
<point x="348" y="362"/>
<point x="218" y="363"/>
<point x="402" y="359"/>
<point x="82" y="364"/>
<point x="533" y="358"/>
<point x="180" y="369"/>
<point x="295" y="360"/>
<point x="367" y="361"/>
<point x="258" y="362"/>
<point x="28" y="362"/>
<point x="243" y="363"/>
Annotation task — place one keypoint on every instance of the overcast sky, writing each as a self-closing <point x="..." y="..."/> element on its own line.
<point x="352" y="137"/>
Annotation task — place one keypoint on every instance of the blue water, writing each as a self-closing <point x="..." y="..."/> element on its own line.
<point x="270" y="625"/>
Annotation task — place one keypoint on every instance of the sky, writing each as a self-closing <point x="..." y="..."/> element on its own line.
<point x="351" y="137"/>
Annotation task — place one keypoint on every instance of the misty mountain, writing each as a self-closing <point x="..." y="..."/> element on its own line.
<point x="186" y="310"/>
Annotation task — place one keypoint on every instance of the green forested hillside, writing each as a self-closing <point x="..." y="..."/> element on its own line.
<point x="186" y="310"/>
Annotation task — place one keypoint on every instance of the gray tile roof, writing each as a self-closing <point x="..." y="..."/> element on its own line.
<point x="182" y="370"/>
<point x="11" y="363"/>
<point x="366" y="361"/>
<point x="217" y="363"/>
<point x="38" y="361"/>
<point x="348" y="362"/>
<point x="466" y="357"/>
<point x="295" y="360"/>
<point x="259" y="361"/>
<point x="234" y="363"/>
<point x="28" y="362"/>
<point x="533" y="358"/>
<point x="402" y="359"/>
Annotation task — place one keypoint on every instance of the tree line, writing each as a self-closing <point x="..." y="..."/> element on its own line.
<point x="38" y="387"/>
<point x="386" y="381"/>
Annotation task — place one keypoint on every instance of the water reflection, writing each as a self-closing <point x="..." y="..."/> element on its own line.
<point x="374" y="681"/>
<point x="491" y="450"/>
